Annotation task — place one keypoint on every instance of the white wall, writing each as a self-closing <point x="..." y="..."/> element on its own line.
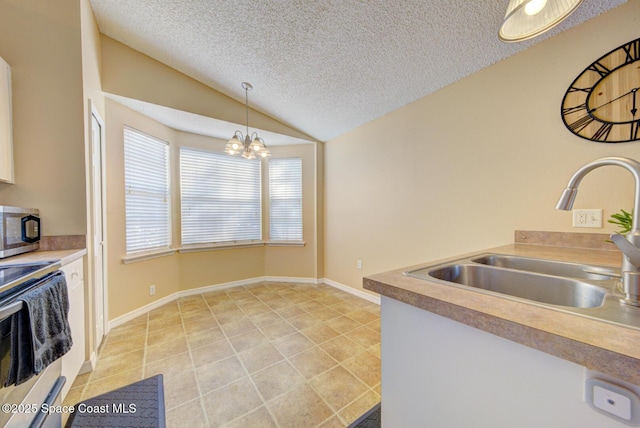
<point x="461" y="169"/>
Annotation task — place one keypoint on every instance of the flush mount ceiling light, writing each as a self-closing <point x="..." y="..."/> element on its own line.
<point x="528" y="18"/>
<point x="249" y="146"/>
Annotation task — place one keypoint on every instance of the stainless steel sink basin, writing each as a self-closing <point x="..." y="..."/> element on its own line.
<point x="549" y="267"/>
<point x="553" y="290"/>
<point x="586" y="290"/>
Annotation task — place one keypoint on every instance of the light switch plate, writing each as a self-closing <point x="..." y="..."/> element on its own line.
<point x="587" y="218"/>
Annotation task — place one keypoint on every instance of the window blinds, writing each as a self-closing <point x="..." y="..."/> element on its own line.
<point x="285" y="199"/>
<point x="221" y="198"/>
<point x="147" y="197"/>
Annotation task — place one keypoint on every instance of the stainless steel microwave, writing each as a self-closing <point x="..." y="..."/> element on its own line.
<point x="19" y="230"/>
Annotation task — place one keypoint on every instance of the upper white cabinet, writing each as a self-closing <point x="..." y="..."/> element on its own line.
<point x="6" y="132"/>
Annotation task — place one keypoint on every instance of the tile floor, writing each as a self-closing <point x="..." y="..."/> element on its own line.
<point x="265" y="355"/>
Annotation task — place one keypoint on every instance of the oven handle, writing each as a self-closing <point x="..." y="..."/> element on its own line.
<point x="41" y="418"/>
<point x="10" y="309"/>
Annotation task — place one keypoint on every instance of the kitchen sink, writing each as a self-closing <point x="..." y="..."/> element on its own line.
<point x="549" y="267"/>
<point x="553" y="290"/>
<point x="587" y="290"/>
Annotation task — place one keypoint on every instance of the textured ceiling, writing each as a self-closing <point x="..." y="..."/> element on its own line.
<point x="323" y="67"/>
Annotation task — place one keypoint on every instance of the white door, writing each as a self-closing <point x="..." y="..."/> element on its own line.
<point x="97" y="201"/>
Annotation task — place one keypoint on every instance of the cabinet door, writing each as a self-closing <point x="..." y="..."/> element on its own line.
<point x="72" y="361"/>
<point x="6" y="132"/>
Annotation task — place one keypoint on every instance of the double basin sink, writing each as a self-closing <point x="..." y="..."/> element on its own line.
<point x="587" y="290"/>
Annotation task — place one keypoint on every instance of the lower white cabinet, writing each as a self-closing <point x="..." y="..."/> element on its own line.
<point x="72" y="361"/>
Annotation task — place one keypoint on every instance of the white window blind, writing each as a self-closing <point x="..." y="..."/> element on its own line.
<point x="220" y="198"/>
<point x="147" y="197"/>
<point x="285" y="199"/>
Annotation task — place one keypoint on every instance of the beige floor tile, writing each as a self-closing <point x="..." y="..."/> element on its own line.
<point x="304" y="321"/>
<point x="277" y="329"/>
<point x="243" y="325"/>
<point x="292" y="344"/>
<point x="164" y="322"/>
<point x="117" y="347"/>
<point x="364" y="336"/>
<point x="231" y="402"/>
<point x="205" y="321"/>
<point x="360" y="406"/>
<point x="180" y="389"/>
<point x="106" y="384"/>
<point x="338" y="387"/>
<point x="211" y="353"/>
<point x="265" y="318"/>
<point x="126" y="331"/>
<point x="320" y="333"/>
<point x="222" y="307"/>
<point x="205" y="337"/>
<point x="248" y="340"/>
<point x="216" y="375"/>
<point x="164" y="350"/>
<point x="362" y="316"/>
<point x="279" y="303"/>
<point x="312" y="362"/>
<point x="167" y="334"/>
<point x="301" y="407"/>
<point x="260" y="357"/>
<point x="189" y="414"/>
<point x="174" y="366"/>
<point x="259" y="418"/>
<point x="325" y="314"/>
<point x="343" y="324"/>
<point x="334" y="422"/>
<point x="289" y="311"/>
<point x="74" y="396"/>
<point x="365" y="366"/>
<point x="341" y="348"/>
<point x="117" y="364"/>
<point x="276" y="380"/>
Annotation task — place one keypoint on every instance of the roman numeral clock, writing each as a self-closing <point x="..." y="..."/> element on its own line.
<point x="603" y="104"/>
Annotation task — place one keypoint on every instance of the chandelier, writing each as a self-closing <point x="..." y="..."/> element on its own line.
<point x="528" y="18"/>
<point x="249" y="146"/>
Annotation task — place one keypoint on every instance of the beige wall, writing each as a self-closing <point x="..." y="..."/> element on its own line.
<point x="129" y="283"/>
<point x="463" y="168"/>
<point x="41" y="41"/>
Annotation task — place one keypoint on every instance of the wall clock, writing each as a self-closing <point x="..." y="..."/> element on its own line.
<point x="603" y="102"/>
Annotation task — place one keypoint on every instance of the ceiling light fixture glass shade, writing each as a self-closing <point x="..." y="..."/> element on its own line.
<point x="249" y="146"/>
<point x="526" y="19"/>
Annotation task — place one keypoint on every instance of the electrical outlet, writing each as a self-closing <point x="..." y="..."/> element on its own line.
<point x="359" y="264"/>
<point x="152" y="290"/>
<point x="587" y="218"/>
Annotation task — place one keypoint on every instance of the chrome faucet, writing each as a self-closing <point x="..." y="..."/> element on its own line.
<point x="629" y="246"/>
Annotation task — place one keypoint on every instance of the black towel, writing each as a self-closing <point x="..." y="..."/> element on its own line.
<point x="40" y="332"/>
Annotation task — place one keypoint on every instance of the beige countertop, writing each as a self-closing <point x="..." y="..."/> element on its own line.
<point x="64" y="256"/>
<point x="598" y="345"/>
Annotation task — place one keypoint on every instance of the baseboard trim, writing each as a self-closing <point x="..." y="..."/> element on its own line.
<point x="206" y="289"/>
<point x="362" y="294"/>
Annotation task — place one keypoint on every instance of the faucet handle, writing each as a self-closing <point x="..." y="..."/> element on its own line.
<point x="631" y="252"/>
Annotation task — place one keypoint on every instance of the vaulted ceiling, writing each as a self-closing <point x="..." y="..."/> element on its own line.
<point x="323" y="67"/>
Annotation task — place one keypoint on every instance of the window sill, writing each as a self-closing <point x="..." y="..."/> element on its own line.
<point x="286" y="243"/>
<point x="147" y="255"/>
<point x="220" y="246"/>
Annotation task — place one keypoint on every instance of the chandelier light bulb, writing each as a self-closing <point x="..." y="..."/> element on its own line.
<point x="243" y="144"/>
<point x="534" y="7"/>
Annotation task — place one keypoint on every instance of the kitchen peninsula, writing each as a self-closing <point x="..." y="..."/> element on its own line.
<point x="454" y="357"/>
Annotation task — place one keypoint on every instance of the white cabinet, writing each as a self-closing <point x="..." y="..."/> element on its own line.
<point x="72" y="361"/>
<point x="6" y="124"/>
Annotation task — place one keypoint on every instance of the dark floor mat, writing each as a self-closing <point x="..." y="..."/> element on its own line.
<point x="140" y="404"/>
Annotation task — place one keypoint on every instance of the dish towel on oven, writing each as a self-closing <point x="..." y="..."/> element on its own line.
<point x="40" y="332"/>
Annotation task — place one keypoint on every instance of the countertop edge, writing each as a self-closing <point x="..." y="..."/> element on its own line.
<point x="63" y="256"/>
<point x="592" y="356"/>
